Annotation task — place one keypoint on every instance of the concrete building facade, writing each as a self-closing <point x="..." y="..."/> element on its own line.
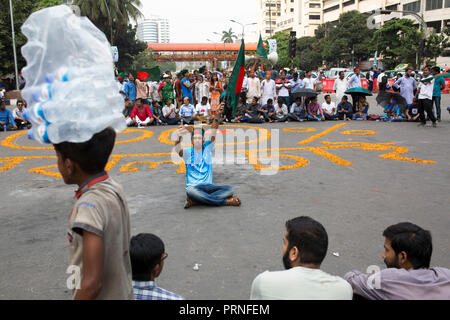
<point x="301" y="16"/>
<point x="267" y="13"/>
<point x="154" y="30"/>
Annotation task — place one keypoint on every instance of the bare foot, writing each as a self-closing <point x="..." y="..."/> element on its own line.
<point x="233" y="202"/>
<point x="189" y="203"/>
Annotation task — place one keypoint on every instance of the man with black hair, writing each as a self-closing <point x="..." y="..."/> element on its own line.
<point x="439" y="84"/>
<point x="147" y="255"/>
<point x="200" y="189"/>
<point x="407" y="254"/>
<point x="99" y="223"/>
<point x="305" y="245"/>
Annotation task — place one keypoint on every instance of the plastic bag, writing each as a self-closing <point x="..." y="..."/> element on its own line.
<point x="70" y="85"/>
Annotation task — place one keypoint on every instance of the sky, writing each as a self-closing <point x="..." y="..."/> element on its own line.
<point x="193" y="21"/>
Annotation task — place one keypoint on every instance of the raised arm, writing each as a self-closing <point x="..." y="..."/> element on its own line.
<point x="215" y="124"/>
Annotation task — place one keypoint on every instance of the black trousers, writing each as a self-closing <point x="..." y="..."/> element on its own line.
<point x="426" y="105"/>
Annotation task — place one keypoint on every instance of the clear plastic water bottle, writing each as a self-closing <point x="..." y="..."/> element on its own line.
<point x="182" y="121"/>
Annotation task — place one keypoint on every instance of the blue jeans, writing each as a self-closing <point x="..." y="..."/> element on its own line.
<point x="6" y="127"/>
<point x="437" y="104"/>
<point x="292" y="116"/>
<point x="209" y="194"/>
<point x="286" y="101"/>
<point x="328" y="117"/>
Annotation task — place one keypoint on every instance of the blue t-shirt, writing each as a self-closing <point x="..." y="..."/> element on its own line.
<point x="437" y="86"/>
<point x="185" y="90"/>
<point x="7" y="117"/>
<point x="187" y="111"/>
<point x="130" y="90"/>
<point x="413" y="110"/>
<point x="199" y="165"/>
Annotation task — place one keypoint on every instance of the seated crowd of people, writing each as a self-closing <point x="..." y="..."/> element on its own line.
<point x="11" y="121"/>
<point x="407" y="255"/>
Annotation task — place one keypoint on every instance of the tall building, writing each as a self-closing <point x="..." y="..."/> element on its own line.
<point x="267" y="13"/>
<point x="436" y="13"/>
<point x="301" y="16"/>
<point x="154" y="30"/>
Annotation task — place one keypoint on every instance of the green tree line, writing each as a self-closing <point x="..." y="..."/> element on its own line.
<point x="397" y="41"/>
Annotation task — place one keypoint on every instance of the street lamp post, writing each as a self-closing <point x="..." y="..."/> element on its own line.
<point x="14" y="44"/>
<point x="215" y="49"/>
<point x="224" y="57"/>
<point x="243" y="26"/>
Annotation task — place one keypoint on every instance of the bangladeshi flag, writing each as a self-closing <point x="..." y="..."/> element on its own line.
<point x="145" y="75"/>
<point x="236" y="80"/>
<point x="260" y="50"/>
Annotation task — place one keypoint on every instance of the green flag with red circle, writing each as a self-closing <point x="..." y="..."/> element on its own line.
<point x="234" y="87"/>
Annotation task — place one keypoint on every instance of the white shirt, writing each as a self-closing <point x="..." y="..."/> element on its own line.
<point x="329" y="107"/>
<point x="340" y="86"/>
<point x="254" y="88"/>
<point x="300" y="284"/>
<point x="172" y="109"/>
<point x="309" y="83"/>
<point x="283" y="91"/>
<point x="268" y="88"/>
<point x="283" y="108"/>
<point x="426" y="90"/>
<point x="202" y="90"/>
<point x="380" y="77"/>
<point x="202" y="110"/>
<point x="17" y="113"/>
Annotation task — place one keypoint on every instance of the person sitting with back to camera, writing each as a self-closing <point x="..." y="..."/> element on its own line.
<point x="147" y="254"/>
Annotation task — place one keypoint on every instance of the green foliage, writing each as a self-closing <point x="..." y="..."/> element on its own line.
<point x="46" y="3"/>
<point x="350" y="33"/>
<point x="128" y="47"/>
<point x="398" y="41"/>
<point x="308" y="52"/>
<point x="283" y="50"/>
<point x="144" y="60"/>
<point x="438" y="43"/>
<point x="228" y="36"/>
<point x="22" y="9"/>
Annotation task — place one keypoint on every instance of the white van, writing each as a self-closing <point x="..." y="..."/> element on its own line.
<point x="334" y="72"/>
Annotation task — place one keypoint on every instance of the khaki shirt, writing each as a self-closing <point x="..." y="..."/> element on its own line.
<point x="101" y="209"/>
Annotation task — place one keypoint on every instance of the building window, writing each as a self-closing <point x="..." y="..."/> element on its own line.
<point x="433" y="4"/>
<point x="436" y="25"/>
<point x="393" y="7"/>
<point x="412" y="6"/>
<point x="349" y="3"/>
<point x="331" y="9"/>
<point x="314" y="17"/>
<point x="447" y="3"/>
<point x="292" y="9"/>
<point x="314" y="5"/>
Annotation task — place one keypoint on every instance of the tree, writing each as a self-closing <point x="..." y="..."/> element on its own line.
<point x="438" y="43"/>
<point x="309" y="56"/>
<point x="398" y="41"/>
<point x="109" y="15"/>
<point x="128" y="47"/>
<point x="283" y="50"/>
<point x="21" y="9"/>
<point x="350" y="34"/>
<point x="144" y="60"/>
<point x="228" y="36"/>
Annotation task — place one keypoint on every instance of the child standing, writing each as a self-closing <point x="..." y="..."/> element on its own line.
<point x="99" y="224"/>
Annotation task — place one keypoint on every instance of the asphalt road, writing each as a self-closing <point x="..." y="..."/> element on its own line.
<point x="355" y="196"/>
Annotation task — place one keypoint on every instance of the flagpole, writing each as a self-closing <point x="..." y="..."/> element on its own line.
<point x="14" y="44"/>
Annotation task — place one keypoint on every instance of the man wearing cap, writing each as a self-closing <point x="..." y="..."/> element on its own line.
<point x="283" y="88"/>
<point x="268" y="88"/>
<point x="200" y="189"/>
<point x="253" y="87"/>
<point x="120" y="86"/>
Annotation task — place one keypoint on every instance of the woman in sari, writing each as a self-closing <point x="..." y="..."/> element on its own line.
<point x="216" y="89"/>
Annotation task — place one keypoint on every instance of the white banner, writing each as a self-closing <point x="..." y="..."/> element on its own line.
<point x="272" y="45"/>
